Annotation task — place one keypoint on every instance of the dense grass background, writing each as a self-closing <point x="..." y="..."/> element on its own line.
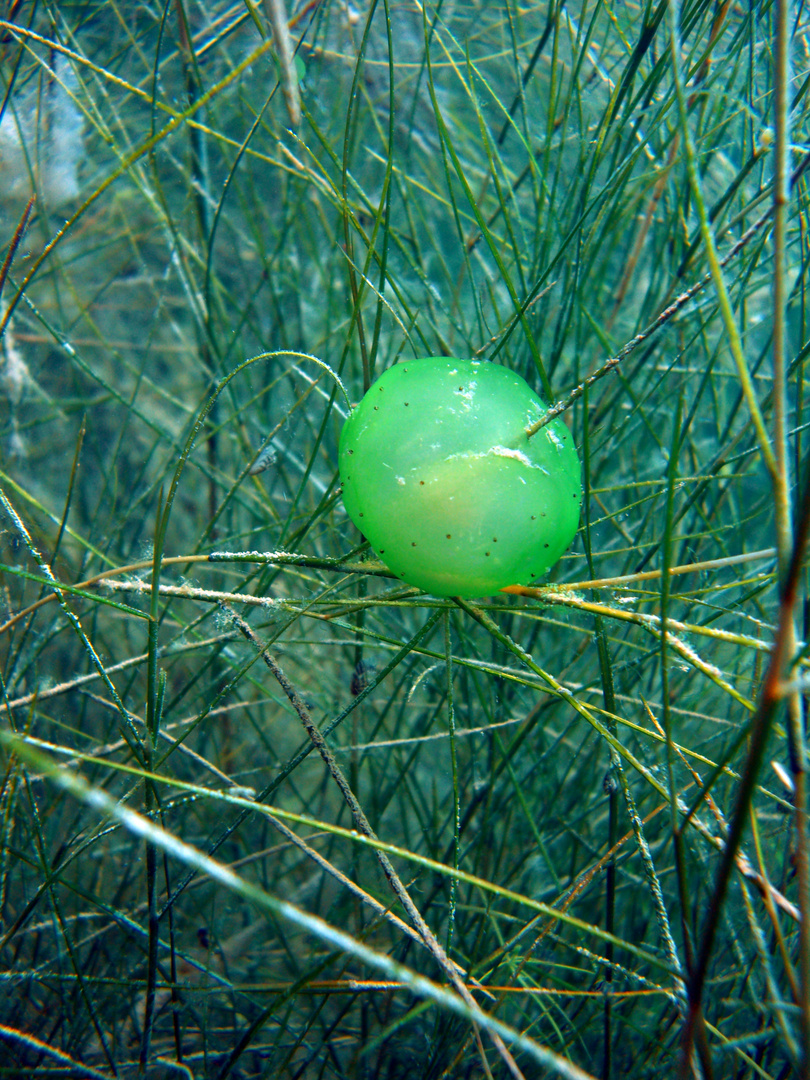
<point x="185" y="888"/>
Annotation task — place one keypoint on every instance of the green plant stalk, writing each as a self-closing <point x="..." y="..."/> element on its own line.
<point x="128" y="729"/>
<point x="9" y="796"/>
<point x="544" y="910"/>
<point x="451" y="725"/>
<point x="614" y="761"/>
<point x="380" y="910"/>
<point x="449" y="152"/>
<point x="126" y="163"/>
<point x="74" y="468"/>
<point x="71" y="590"/>
<point x="201" y="419"/>
<point x="769" y="700"/>
<point x="519" y="97"/>
<point x="154" y="699"/>
<point x="489" y="624"/>
<point x="176" y="1002"/>
<point x="277" y="17"/>
<point x="75" y="962"/>
<point x="242" y="148"/>
<point x="782" y="944"/>
<point x="782" y="508"/>
<point x="383" y="215"/>
<point x="660" y="321"/>
<point x="766" y="957"/>
<point x="19" y="233"/>
<point x="719" y="769"/>
<point x="68" y="1063"/>
<point x="781" y="198"/>
<point x="142" y="827"/>
<point x="356" y="291"/>
<point x="666" y="582"/>
<point x="308" y="747"/>
<point x="723" y="299"/>
<point x="256" y="1025"/>
<point x="495" y="164"/>
<point x="364" y="827"/>
<point x="200" y="189"/>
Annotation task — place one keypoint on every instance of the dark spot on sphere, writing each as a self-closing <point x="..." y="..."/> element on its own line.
<point x="448" y="536"/>
<point x="486" y="553"/>
<point x="406" y="404"/>
<point x="376" y="408"/>
<point x="534" y="518"/>
<point x="361" y="514"/>
<point x="421" y="483"/>
<point x="494" y="539"/>
<point x="351" y="451"/>
<point x="413" y="543"/>
<point x="545" y="545"/>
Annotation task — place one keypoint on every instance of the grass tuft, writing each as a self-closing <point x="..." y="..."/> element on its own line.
<point x="267" y="811"/>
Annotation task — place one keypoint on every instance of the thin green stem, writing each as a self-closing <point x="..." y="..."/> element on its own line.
<point x="724" y="301"/>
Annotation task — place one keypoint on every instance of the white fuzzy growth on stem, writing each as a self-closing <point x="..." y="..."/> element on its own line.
<point x="41" y="145"/>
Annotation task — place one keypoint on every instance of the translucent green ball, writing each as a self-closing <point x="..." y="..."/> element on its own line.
<point x="439" y="475"/>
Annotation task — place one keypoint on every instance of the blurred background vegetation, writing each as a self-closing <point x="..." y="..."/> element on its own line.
<point x="184" y="887"/>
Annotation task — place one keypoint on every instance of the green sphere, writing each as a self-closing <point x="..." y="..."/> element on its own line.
<point x="439" y="475"/>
